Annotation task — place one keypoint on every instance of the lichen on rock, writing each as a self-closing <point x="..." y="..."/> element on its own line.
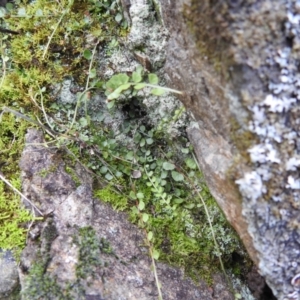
<point x="248" y="54"/>
<point x="271" y="190"/>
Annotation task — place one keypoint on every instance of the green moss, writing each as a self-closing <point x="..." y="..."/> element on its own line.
<point x="51" y="169"/>
<point x="109" y="195"/>
<point x="90" y="252"/>
<point x="16" y="295"/>
<point x="41" y="286"/>
<point x="49" y="233"/>
<point x="35" y="63"/>
<point x="13" y="217"/>
<point x="32" y="66"/>
<point x="168" y="208"/>
<point x="180" y="231"/>
<point x="73" y="174"/>
<point x="186" y="240"/>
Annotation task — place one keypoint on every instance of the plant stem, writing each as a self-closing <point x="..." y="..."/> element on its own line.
<point x="19" y="193"/>
<point x="212" y="230"/>
<point x="164" y="88"/>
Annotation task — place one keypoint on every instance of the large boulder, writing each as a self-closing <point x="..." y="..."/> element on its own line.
<point x="238" y="64"/>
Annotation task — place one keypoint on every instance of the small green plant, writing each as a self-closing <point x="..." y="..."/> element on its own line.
<point x="122" y="83"/>
<point x="161" y="194"/>
<point x="110" y="7"/>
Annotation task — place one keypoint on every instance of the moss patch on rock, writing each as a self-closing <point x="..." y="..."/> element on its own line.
<point x="150" y="173"/>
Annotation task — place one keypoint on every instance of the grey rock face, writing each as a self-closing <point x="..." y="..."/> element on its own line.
<point x="237" y="62"/>
<point x="9" y="278"/>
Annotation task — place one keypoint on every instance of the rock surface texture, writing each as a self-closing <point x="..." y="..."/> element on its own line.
<point x="85" y="250"/>
<point x="9" y="278"/>
<point x="238" y="64"/>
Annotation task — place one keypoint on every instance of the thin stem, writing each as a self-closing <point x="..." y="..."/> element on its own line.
<point x="211" y="229"/>
<point x="71" y="2"/>
<point x="19" y="115"/>
<point x="43" y="108"/>
<point x="3" y="67"/>
<point x="164" y="198"/>
<point x="53" y="32"/>
<point x="91" y="65"/>
<point x="19" y="193"/>
<point x="164" y="88"/>
<point x="88" y="77"/>
<point x="76" y="108"/>
<point x="155" y="274"/>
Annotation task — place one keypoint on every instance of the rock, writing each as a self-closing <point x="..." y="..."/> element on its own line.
<point x="190" y="71"/>
<point x="83" y="249"/>
<point x="237" y="62"/>
<point x="9" y="278"/>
